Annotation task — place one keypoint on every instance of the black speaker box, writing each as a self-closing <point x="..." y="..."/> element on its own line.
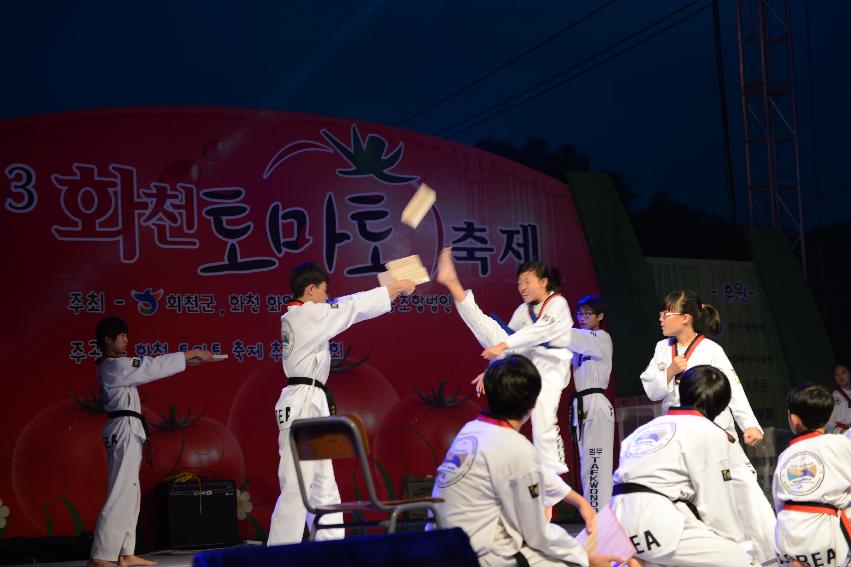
<point x="198" y="516"/>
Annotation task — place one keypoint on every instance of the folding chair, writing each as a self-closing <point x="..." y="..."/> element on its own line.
<point x="343" y="437"/>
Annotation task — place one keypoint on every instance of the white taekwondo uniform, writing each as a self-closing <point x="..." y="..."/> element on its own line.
<point x="593" y="415"/>
<point x="840" y="419"/>
<point x="677" y="460"/>
<point x="812" y="490"/>
<point x="491" y="483"/>
<point x="540" y="333"/>
<point x="306" y="329"/>
<point x="124" y="436"/>
<point x="755" y="512"/>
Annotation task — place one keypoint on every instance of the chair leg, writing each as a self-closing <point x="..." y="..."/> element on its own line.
<point x="436" y="517"/>
<point x="391" y="523"/>
<point x="315" y="529"/>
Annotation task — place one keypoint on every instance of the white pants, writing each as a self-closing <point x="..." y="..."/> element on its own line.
<point x="596" y="448"/>
<point x="546" y="435"/>
<point x="289" y="517"/>
<point x="755" y="512"/>
<point x="812" y="539"/>
<point x="115" y="533"/>
<point x="667" y="534"/>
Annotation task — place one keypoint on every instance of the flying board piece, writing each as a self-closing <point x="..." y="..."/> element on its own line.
<point x="409" y="268"/>
<point x="419" y="205"/>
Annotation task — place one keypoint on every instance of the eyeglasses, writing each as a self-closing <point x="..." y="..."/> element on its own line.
<point x="666" y="314"/>
<point x="581" y="314"/>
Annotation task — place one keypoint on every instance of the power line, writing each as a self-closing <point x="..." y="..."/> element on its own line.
<point x="508" y="63"/>
<point x="462" y="126"/>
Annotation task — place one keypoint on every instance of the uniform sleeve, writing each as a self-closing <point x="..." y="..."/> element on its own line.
<point x="832" y="425"/>
<point x="589" y="342"/>
<point x="487" y="331"/>
<point x="739" y="404"/>
<point x="655" y="377"/>
<point x="554" y="321"/>
<point x="709" y="469"/>
<point x="333" y="319"/>
<point x="523" y="507"/>
<point x="123" y="372"/>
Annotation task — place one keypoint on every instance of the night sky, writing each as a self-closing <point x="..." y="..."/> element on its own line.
<point x="651" y="113"/>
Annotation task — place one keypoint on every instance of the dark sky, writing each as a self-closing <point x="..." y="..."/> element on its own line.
<point x="652" y="113"/>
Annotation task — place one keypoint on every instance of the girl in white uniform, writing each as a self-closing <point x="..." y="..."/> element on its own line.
<point x="540" y="329"/>
<point x="686" y="321"/>
<point x="840" y="419"/>
<point x="673" y="493"/>
<point x="812" y="485"/>
<point x="124" y="435"/>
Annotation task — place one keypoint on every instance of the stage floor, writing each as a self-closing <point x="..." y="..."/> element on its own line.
<point x="183" y="558"/>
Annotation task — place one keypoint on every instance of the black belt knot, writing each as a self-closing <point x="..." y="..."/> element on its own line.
<point x="329" y="396"/>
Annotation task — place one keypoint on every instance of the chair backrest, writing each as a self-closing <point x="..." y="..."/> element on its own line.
<point x="333" y="437"/>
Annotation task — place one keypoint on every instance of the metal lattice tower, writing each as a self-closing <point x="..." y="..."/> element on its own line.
<point x="770" y="117"/>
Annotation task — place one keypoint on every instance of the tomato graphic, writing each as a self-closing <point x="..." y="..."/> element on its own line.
<point x="194" y="444"/>
<point x="415" y="435"/>
<point x="59" y="466"/>
<point x="358" y="389"/>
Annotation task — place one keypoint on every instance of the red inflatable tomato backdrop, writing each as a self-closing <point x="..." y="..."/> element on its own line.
<point x="186" y="223"/>
<point x="415" y="435"/>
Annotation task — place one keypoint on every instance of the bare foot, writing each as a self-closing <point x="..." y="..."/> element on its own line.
<point x="133" y="560"/>
<point x="445" y="267"/>
<point x="447" y="275"/>
<point x="100" y="563"/>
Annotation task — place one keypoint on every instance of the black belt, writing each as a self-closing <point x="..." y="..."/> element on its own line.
<point x="634" y="487"/>
<point x="329" y="395"/>
<point x="130" y="413"/>
<point x="579" y="395"/>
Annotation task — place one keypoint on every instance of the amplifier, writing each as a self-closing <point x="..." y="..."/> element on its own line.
<point x="198" y="515"/>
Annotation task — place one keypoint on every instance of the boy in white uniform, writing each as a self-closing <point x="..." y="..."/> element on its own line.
<point x="672" y="490"/>
<point x="593" y="419"/>
<point x="812" y="485"/>
<point x="307" y="326"/>
<point x="840" y="419"/>
<point x="541" y="328"/>
<point x="124" y="435"/>
<point x="685" y="321"/>
<point x="491" y="479"/>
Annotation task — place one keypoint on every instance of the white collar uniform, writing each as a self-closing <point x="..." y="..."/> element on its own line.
<point x="492" y="485"/>
<point x="119" y="378"/>
<point x="656" y="384"/>
<point x="840" y="419"/>
<point x="306" y="329"/>
<point x="815" y="469"/>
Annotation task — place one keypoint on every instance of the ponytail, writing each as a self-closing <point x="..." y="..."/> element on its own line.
<point x="706" y="318"/>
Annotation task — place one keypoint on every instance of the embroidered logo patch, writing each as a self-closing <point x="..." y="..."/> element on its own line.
<point x="287" y="339"/>
<point x="534" y="491"/>
<point x="650" y="438"/>
<point x="725" y="474"/>
<point x="661" y="367"/>
<point x="137" y="362"/>
<point x="459" y="459"/>
<point x="802" y="473"/>
<point x="335" y="306"/>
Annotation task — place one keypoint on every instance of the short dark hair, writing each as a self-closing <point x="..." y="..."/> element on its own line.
<point x="512" y="385"/>
<point x="109" y="327"/>
<point x="813" y="403"/>
<point x="305" y="274"/>
<point x="542" y="271"/>
<point x="705" y="388"/>
<point x="594" y="302"/>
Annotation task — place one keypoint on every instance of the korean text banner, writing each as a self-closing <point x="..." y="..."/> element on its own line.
<point x="186" y="223"/>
